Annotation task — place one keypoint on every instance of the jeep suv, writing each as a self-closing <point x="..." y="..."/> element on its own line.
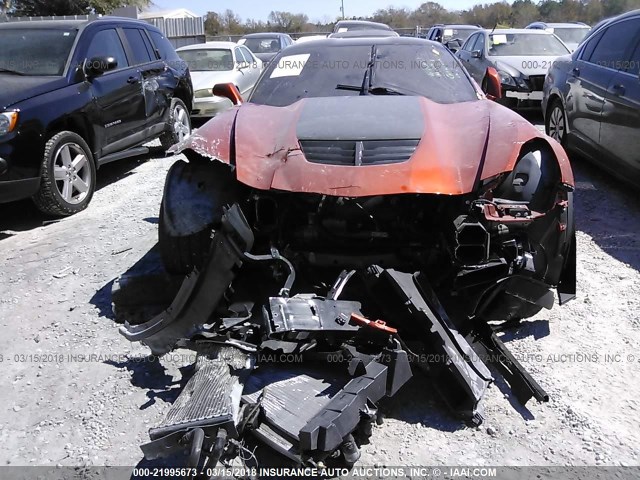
<point x="75" y="95"/>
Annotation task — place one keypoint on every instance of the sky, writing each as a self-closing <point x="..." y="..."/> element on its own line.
<point x="315" y="9"/>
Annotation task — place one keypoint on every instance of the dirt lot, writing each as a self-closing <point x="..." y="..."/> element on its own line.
<point x="75" y="392"/>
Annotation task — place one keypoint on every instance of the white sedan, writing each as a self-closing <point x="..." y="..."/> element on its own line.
<point x="219" y="62"/>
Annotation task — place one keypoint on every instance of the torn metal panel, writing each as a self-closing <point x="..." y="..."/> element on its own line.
<point x="408" y="299"/>
<point x="297" y="317"/>
<point x="201" y="292"/>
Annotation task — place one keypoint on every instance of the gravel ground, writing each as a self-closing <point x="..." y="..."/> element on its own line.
<point x="77" y="393"/>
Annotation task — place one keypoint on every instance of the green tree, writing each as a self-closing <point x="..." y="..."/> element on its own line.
<point x="288" y="22"/>
<point x="394" y="17"/>
<point x="108" y="6"/>
<point x="254" y="26"/>
<point x="231" y="23"/>
<point x="430" y="13"/>
<point x="212" y="24"/>
<point x="524" y="12"/>
<point x="36" y="8"/>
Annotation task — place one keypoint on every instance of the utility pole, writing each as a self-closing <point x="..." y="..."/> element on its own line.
<point x="342" y="9"/>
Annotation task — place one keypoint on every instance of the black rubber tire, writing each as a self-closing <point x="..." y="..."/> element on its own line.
<point x="180" y="255"/>
<point x="169" y="138"/>
<point x="48" y="199"/>
<point x="556" y="103"/>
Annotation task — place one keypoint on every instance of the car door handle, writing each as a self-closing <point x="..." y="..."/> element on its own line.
<point x="133" y="80"/>
<point x="576" y="71"/>
<point x="618" y="89"/>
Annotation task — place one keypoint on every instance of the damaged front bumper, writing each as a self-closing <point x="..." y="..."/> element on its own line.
<point x="322" y="400"/>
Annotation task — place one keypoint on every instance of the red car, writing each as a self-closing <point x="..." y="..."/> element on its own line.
<point x="376" y="171"/>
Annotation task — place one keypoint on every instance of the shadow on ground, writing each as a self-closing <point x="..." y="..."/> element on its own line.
<point x="150" y="374"/>
<point x="608" y="211"/>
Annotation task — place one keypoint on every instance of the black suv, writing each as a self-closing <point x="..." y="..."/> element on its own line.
<point x="75" y="95"/>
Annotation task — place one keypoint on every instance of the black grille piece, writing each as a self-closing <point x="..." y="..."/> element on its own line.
<point x="536" y="82"/>
<point x="357" y="153"/>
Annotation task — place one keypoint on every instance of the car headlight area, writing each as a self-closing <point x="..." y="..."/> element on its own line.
<point x="8" y="121"/>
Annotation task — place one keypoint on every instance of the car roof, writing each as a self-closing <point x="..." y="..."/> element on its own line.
<point x="623" y="16"/>
<point x="71" y="24"/>
<point x="359" y="41"/>
<point x="211" y="45"/>
<point x="46" y="24"/>
<point x="508" y="31"/>
<point x="608" y="21"/>
<point x="560" y="24"/>
<point x="457" y="25"/>
<point x="374" y="25"/>
<point x="365" y="33"/>
<point x="265" y="35"/>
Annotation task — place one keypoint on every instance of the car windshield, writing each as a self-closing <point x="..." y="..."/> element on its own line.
<point x="521" y="44"/>
<point x="459" y="33"/>
<point x="419" y="69"/>
<point x="38" y="52"/>
<point x="571" y="35"/>
<point x="262" y="45"/>
<point x="208" y="60"/>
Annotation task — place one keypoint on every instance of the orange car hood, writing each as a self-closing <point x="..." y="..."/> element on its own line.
<point x="460" y="144"/>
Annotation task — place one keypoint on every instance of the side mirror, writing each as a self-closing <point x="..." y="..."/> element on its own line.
<point x="476" y="54"/>
<point x="228" y="90"/>
<point x="96" y="66"/>
<point x="492" y="87"/>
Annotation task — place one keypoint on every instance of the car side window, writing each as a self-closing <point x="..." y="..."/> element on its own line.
<point x="633" y="65"/>
<point x="590" y="46"/>
<point x="479" y="43"/>
<point x="147" y="43"/>
<point x="612" y="47"/>
<point x="240" y="58"/>
<point x="106" y="43"/>
<point x="167" y="52"/>
<point x="469" y="43"/>
<point x="138" y="47"/>
<point x="247" y="54"/>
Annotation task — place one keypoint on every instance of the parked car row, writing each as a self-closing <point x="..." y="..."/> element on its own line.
<point x="102" y="89"/>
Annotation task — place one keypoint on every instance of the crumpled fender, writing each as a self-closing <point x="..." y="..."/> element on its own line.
<point x="214" y="139"/>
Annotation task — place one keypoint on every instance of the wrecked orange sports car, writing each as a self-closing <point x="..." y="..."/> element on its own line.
<point x="367" y="215"/>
